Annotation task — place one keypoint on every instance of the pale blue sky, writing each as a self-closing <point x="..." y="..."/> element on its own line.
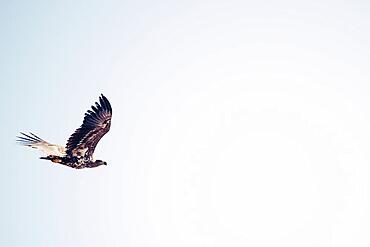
<point x="235" y="123"/>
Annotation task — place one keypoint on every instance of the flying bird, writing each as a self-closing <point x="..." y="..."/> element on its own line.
<point x="79" y="150"/>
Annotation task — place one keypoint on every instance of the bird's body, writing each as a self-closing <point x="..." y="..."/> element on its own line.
<point x="74" y="162"/>
<point x="80" y="147"/>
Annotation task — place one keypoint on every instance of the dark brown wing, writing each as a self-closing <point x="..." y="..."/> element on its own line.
<point x="95" y="125"/>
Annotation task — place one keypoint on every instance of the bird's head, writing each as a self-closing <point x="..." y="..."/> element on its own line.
<point x="100" y="163"/>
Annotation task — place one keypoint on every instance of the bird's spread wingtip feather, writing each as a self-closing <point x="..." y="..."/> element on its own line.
<point x="92" y="128"/>
<point x="38" y="138"/>
<point x="106" y="103"/>
<point x="29" y="137"/>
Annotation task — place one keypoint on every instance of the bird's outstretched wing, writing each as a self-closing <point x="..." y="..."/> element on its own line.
<point x="33" y="141"/>
<point x="95" y="125"/>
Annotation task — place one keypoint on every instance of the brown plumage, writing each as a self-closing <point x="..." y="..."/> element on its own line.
<point x="80" y="147"/>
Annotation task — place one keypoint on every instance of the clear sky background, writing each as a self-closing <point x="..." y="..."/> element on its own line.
<point x="235" y="123"/>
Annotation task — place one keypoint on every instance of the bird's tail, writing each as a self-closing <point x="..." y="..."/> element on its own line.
<point x="53" y="158"/>
<point x="33" y="141"/>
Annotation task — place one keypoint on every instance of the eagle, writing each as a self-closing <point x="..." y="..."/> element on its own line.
<point x="79" y="150"/>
